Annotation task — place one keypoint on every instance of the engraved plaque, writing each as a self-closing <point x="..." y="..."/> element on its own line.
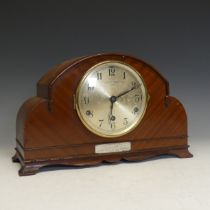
<point x="113" y="147"/>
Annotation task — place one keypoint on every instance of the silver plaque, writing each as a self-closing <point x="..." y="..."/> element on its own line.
<point x="113" y="147"/>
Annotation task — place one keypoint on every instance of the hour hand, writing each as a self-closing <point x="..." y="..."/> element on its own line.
<point x="111" y="116"/>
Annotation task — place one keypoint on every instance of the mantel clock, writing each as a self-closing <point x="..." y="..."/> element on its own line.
<point x="100" y="108"/>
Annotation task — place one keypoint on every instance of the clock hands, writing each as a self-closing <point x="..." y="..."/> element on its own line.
<point x="127" y="91"/>
<point x="113" y="99"/>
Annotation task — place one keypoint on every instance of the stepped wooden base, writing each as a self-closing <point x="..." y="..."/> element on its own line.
<point x="32" y="167"/>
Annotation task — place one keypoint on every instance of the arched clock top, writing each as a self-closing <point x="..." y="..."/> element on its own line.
<point x="47" y="83"/>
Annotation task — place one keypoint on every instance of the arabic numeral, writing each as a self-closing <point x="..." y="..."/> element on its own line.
<point x="125" y="121"/>
<point x="89" y="113"/>
<point x="137" y="98"/>
<point x="100" y="123"/>
<point x="111" y="71"/>
<point x="134" y="84"/>
<point x="86" y="100"/>
<point x="123" y="75"/>
<point x="135" y="110"/>
<point x="90" y="88"/>
<point x="112" y="125"/>
<point x="99" y="76"/>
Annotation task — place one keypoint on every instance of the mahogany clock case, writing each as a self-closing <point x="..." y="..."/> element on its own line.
<point x="49" y="131"/>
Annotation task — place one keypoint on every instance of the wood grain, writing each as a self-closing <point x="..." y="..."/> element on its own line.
<point x="50" y="132"/>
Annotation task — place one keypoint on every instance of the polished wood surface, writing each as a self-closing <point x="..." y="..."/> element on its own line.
<point x="50" y="132"/>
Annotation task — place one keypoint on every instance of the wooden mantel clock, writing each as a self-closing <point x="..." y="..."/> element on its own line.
<point x="100" y="108"/>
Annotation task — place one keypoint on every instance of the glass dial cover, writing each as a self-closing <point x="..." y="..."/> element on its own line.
<point x="111" y="99"/>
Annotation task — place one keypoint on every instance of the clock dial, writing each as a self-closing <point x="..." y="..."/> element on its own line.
<point x="111" y="99"/>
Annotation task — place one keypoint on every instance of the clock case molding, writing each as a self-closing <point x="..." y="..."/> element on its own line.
<point x="49" y="131"/>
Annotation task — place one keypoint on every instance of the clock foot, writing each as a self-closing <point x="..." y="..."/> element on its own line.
<point x="181" y="153"/>
<point x="15" y="158"/>
<point x="28" y="170"/>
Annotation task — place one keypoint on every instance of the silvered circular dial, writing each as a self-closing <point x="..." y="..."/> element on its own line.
<point x="111" y="99"/>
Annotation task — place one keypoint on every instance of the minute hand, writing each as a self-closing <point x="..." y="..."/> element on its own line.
<point x="133" y="88"/>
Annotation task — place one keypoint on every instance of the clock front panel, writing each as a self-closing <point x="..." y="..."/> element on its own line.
<point x="111" y="99"/>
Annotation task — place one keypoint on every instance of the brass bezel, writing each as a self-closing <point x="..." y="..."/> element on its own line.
<point x="77" y="98"/>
